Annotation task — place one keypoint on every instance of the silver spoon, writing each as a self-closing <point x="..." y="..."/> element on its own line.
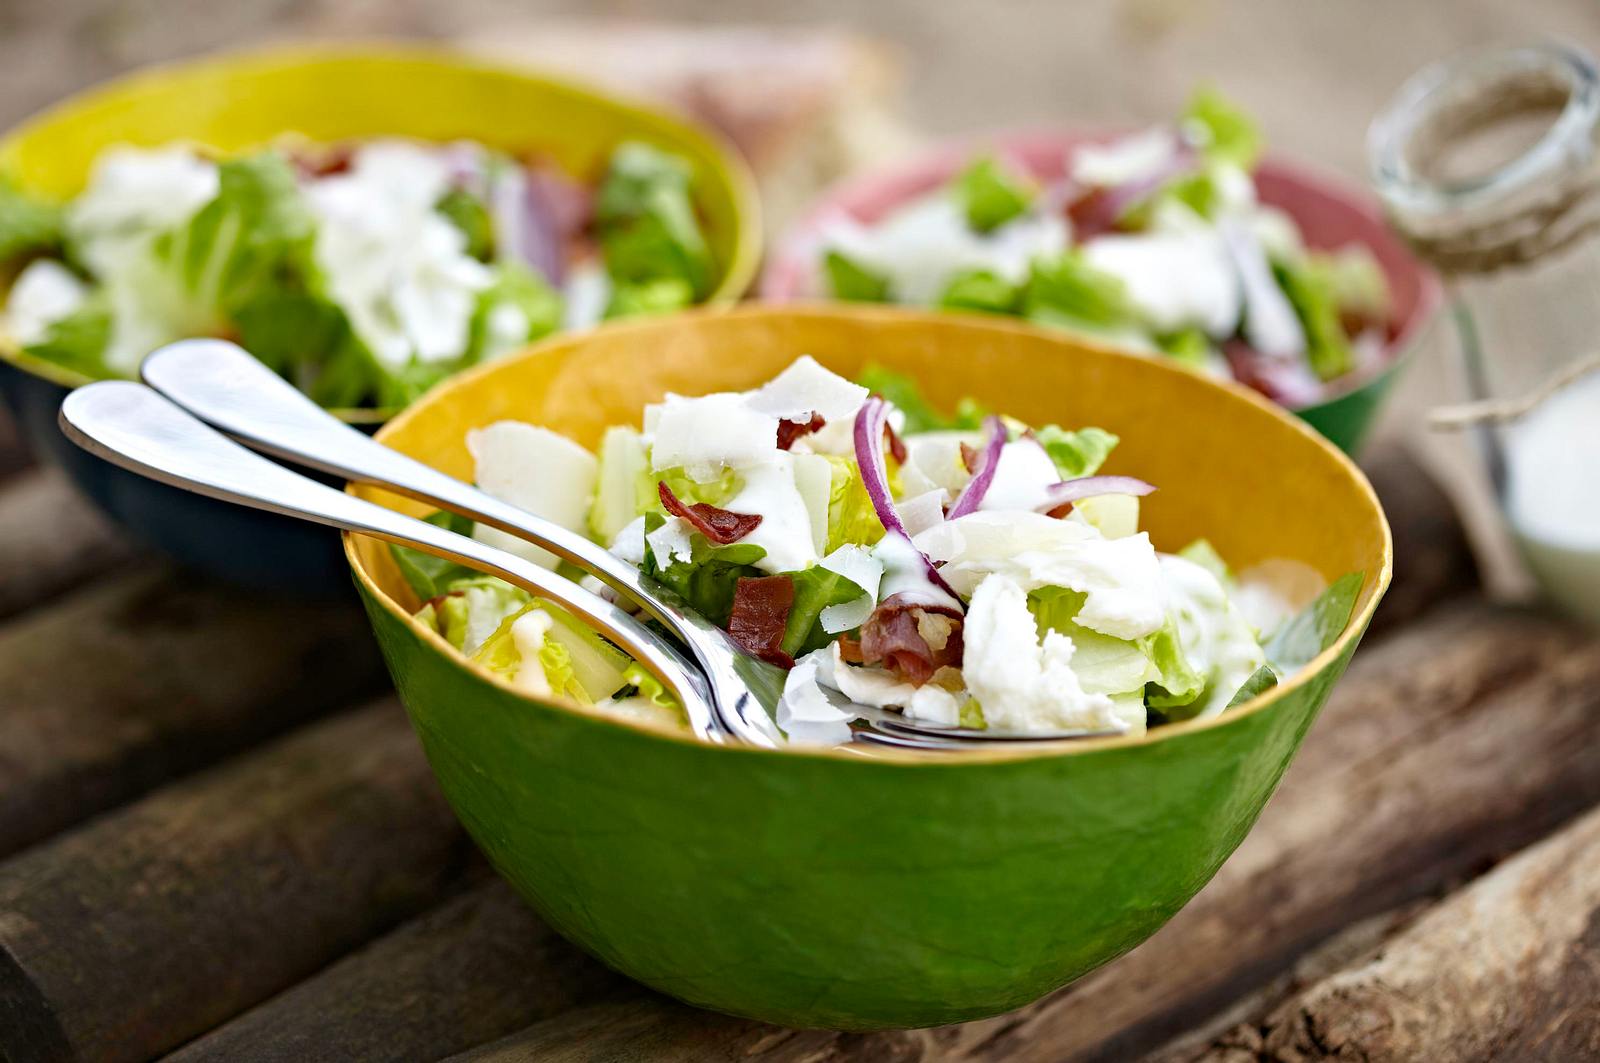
<point x="132" y="426"/>
<point x="225" y="385"/>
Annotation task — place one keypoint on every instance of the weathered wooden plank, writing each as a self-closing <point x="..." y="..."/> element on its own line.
<point x="1507" y="968"/>
<point x="114" y="690"/>
<point x="153" y="924"/>
<point x="478" y="967"/>
<point x="51" y="540"/>
<point x="1449" y="744"/>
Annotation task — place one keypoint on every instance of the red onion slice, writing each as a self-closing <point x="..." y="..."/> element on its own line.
<point x="1099" y="210"/>
<point x="971" y="496"/>
<point x="872" y="419"/>
<point x="1088" y="486"/>
<point x="528" y="228"/>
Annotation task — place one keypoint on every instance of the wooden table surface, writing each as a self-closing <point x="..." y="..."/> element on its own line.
<point x="219" y="839"/>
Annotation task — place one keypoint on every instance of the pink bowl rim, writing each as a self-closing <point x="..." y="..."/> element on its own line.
<point x="791" y="262"/>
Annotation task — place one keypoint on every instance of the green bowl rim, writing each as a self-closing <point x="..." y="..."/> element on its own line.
<point x="737" y="278"/>
<point x="1035" y="750"/>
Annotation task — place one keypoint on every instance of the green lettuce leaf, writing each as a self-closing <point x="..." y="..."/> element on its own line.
<point x="1079" y="453"/>
<point x="1066" y="292"/>
<point x="989" y="196"/>
<point x="645" y="298"/>
<point x="246" y="241"/>
<point x="597" y="667"/>
<point x="981" y="290"/>
<point x="1229" y="135"/>
<point x="1103" y="664"/>
<point x="851" y="516"/>
<point x="79" y="340"/>
<point x="624" y="466"/>
<point x="516" y="295"/>
<point x="920" y="416"/>
<point x="646" y="222"/>
<point x="1202" y="553"/>
<point x="650" y="688"/>
<point x="1311" y="291"/>
<point x="1316" y="627"/>
<point x="1179" y="685"/>
<point x="1190" y="347"/>
<point x="499" y="654"/>
<point x="815" y="589"/>
<point x="429" y="576"/>
<point x="469" y="214"/>
<point x="28" y="225"/>
<point x="688" y="490"/>
<point x="709" y="579"/>
<point x="851" y="281"/>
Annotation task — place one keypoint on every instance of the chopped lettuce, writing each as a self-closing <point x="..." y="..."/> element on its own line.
<point x="851" y="516"/>
<point x="468" y="213"/>
<point x="501" y="655"/>
<point x="688" y="490"/>
<point x="708" y="580"/>
<point x="573" y="660"/>
<point x="1067" y="292"/>
<point x="981" y="290"/>
<point x="649" y="688"/>
<point x="624" y="465"/>
<point x="920" y="416"/>
<point x="815" y="589"/>
<point x="1079" y="453"/>
<point x="989" y="196"/>
<point x="79" y="340"/>
<point x="1316" y="627"/>
<point x="1202" y="553"/>
<point x="1179" y="685"/>
<point x="1190" y="347"/>
<point x="1261" y="680"/>
<point x="662" y="295"/>
<point x="646" y="223"/>
<point x="1311" y="291"/>
<point x="28" y="226"/>
<point x="518" y="307"/>
<point x="429" y="576"/>
<point x="1227" y="134"/>
<point x="1103" y="664"/>
<point x="597" y="666"/>
<point x="853" y="282"/>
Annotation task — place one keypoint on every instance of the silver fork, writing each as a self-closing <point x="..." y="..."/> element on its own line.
<point x="132" y="426"/>
<point x="225" y="385"/>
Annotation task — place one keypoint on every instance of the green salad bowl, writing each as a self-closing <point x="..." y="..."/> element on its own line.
<point x="827" y="888"/>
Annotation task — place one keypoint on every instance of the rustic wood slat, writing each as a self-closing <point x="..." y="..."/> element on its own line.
<point x="51" y="540"/>
<point x="113" y="690"/>
<point x="1449" y="744"/>
<point x="148" y="926"/>
<point x="1507" y="968"/>
<point x="476" y="968"/>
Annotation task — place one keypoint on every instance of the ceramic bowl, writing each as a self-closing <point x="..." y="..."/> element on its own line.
<point x="235" y="102"/>
<point x="1329" y="216"/>
<point x="829" y="889"/>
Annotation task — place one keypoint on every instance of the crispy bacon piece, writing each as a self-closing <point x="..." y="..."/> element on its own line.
<point x="969" y="457"/>
<point x="910" y="639"/>
<point x="721" y="526"/>
<point x="1060" y="512"/>
<point x="897" y="446"/>
<point x="760" y="614"/>
<point x="791" y="430"/>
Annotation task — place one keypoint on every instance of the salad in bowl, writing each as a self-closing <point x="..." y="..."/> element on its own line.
<point x="966" y="571"/>
<point x="1180" y="241"/>
<point x="364" y="271"/>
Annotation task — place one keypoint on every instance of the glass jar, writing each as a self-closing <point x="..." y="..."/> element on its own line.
<point x="1489" y="165"/>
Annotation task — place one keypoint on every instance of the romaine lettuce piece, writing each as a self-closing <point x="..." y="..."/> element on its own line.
<point x="989" y="196"/>
<point x="1179" y="685"/>
<point x="644" y="298"/>
<point x="715" y="492"/>
<point x="1190" y="347"/>
<point x="1079" y="453"/>
<point x="598" y="667"/>
<point x="1103" y="665"/>
<point x="518" y="307"/>
<point x="1310" y="290"/>
<point x="853" y="282"/>
<point x="1116" y="516"/>
<point x="28" y="225"/>
<point x="708" y="580"/>
<point x="1316" y="627"/>
<point x="981" y="290"/>
<point x="468" y="213"/>
<point x="815" y="589"/>
<point x="549" y="672"/>
<point x="903" y="393"/>
<point x="623" y="466"/>
<point x="1067" y="292"/>
<point x="429" y="576"/>
<point x="1227" y="134"/>
<point x="851" y="517"/>
<point x="646" y="222"/>
<point x="79" y="340"/>
<point x="1261" y="680"/>
<point x="1202" y="553"/>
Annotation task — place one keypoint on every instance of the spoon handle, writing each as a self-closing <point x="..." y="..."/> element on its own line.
<point x="132" y="426"/>
<point x="223" y="384"/>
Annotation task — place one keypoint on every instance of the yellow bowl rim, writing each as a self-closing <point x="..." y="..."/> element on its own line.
<point x="737" y="278"/>
<point x="1029" y="751"/>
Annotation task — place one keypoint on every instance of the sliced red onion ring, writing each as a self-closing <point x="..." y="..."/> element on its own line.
<point x="526" y="227"/>
<point x="870" y="423"/>
<point x="1089" y="486"/>
<point x="971" y="496"/>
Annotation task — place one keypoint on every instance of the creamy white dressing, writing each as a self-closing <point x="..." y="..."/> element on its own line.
<point x="1218" y="642"/>
<point x="922" y="246"/>
<point x="528" y="633"/>
<point x="785" y="531"/>
<point x="1177" y="279"/>
<point x="1553" y="495"/>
